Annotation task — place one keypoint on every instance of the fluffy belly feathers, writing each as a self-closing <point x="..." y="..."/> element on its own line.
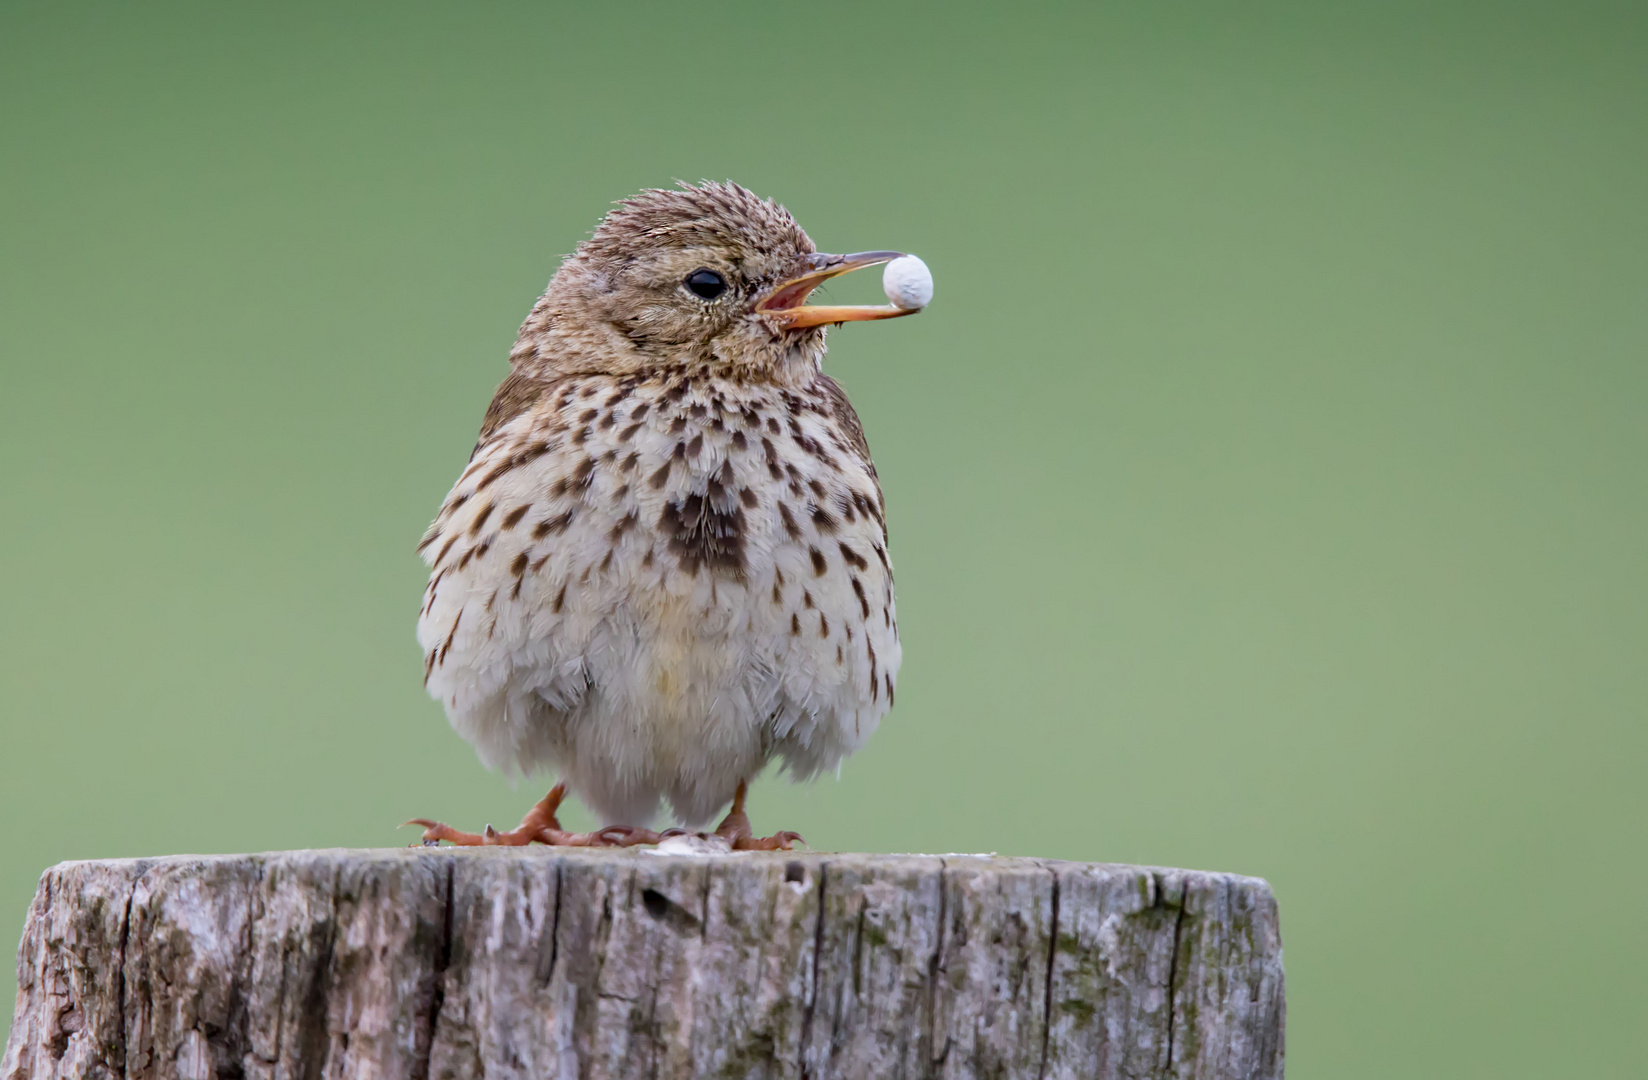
<point x="656" y="587"/>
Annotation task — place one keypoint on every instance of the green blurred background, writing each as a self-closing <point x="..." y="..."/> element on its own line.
<point x="1267" y="481"/>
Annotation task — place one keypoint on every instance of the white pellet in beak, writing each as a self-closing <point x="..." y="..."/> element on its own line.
<point x="908" y="283"/>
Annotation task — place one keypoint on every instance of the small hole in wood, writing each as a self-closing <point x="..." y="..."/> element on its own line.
<point x="795" y="872"/>
<point x="656" y="903"/>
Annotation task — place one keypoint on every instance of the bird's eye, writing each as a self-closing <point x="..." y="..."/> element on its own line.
<point x="706" y="283"/>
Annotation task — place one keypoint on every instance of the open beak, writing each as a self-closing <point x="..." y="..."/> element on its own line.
<point x="787" y="303"/>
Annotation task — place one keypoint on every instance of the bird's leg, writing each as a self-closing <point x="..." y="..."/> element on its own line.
<point x="735" y="829"/>
<point x="539" y="825"/>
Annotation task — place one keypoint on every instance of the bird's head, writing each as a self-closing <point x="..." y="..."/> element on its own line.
<point x="709" y="277"/>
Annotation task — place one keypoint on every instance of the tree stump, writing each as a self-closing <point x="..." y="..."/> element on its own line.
<point x="537" y="963"/>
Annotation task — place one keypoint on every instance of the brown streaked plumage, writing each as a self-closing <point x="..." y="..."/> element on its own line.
<point x="616" y="586"/>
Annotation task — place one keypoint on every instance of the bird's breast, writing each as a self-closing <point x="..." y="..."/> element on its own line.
<point x="681" y="548"/>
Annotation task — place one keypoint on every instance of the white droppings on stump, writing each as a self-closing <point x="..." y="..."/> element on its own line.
<point x="535" y="963"/>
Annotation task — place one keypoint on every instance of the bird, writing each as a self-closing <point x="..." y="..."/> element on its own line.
<point x="665" y="564"/>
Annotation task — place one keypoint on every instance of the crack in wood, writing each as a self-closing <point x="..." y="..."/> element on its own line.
<point x="120" y="978"/>
<point x="1047" y="994"/>
<point x="810" y="1006"/>
<point x="437" y="991"/>
<point x="933" y="968"/>
<point x="554" y="929"/>
<point x="314" y="1046"/>
<point x="1173" y="977"/>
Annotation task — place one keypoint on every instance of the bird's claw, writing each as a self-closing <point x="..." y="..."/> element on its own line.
<point x="778" y="841"/>
<point x="436" y="831"/>
<point x="540" y="826"/>
<point x="631" y="835"/>
<point x="735" y="829"/>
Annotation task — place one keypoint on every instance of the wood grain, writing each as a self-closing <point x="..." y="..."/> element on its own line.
<point x="604" y="964"/>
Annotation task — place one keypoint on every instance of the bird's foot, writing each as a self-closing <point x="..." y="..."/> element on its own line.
<point x="538" y="826"/>
<point x="634" y="835"/>
<point x="735" y="829"/>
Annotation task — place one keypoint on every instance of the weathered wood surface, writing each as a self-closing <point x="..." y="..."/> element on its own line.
<point x="544" y="963"/>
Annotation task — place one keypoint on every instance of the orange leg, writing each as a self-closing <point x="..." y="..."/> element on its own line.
<point x="539" y="826"/>
<point x="735" y="829"/>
